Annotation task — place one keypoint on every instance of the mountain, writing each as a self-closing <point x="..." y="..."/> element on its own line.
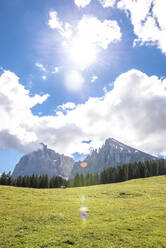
<point x="44" y="161"/>
<point x="47" y="161"/>
<point x="112" y="153"/>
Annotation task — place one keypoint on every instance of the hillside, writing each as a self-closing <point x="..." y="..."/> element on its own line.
<point x="129" y="214"/>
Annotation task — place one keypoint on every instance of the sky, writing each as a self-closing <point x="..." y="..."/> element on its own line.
<point x="75" y="72"/>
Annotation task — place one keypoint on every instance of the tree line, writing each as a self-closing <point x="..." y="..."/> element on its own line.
<point x="122" y="173"/>
<point x="33" y="181"/>
<point x="133" y="171"/>
<point x="84" y="180"/>
<point x="110" y="175"/>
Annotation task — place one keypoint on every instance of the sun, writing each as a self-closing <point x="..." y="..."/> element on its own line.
<point x="82" y="52"/>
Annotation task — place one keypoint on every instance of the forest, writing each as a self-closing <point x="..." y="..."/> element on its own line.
<point x="110" y="175"/>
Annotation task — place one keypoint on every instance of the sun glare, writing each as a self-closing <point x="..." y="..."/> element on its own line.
<point x="82" y="53"/>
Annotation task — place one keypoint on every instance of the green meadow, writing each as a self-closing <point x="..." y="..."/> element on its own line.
<point x="120" y="215"/>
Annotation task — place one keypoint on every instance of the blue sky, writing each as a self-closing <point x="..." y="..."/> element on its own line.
<point x="74" y="71"/>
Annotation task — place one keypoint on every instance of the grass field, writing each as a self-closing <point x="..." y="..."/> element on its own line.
<point x="128" y="214"/>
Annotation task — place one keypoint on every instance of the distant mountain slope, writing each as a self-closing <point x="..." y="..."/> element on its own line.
<point x="112" y="153"/>
<point x="44" y="161"/>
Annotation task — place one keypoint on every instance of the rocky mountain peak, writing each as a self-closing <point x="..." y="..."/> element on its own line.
<point x="111" y="142"/>
<point x="111" y="154"/>
<point x="44" y="147"/>
<point x="44" y="161"/>
<point x="47" y="161"/>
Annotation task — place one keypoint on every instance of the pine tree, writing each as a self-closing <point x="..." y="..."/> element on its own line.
<point x="76" y="182"/>
<point x="23" y="183"/>
<point x="125" y="171"/>
<point x="9" y="178"/>
<point x="46" y="181"/>
<point x="103" y="177"/>
<point x="19" y="181"/>
<point x="82" y="180"/>
<point x="27" y="181"/>
<point x="3" y="179"/>
<point x="96" y="179"/>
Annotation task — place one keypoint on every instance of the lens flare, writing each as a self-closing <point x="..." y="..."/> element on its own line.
<point x="84" y="214"/>
<point x="74" y="81"/>
<point x="83" y="164"/>
<point x="83" y="209"/>
<point x="83" y="198"/>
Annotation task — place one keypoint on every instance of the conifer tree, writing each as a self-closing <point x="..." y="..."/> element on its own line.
<point x="76" y="181"/>
<point x="3" y="179"/>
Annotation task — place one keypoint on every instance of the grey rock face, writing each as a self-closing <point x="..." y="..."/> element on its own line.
<point x="44" y="161"/>
<point x="111" y="154"/>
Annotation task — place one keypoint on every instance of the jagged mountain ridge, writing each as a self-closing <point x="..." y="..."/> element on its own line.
<point x="44" y="161"/>
<point x="47" y="161"/>
<point x="112" y="153"/>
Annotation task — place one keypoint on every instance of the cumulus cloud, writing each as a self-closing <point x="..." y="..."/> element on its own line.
<point x="148" y="19"/>
<point x="82" y="3"/>
<point x="107" y="3"/>
<point x="88" y="28"/>
<point x="93" y="78"/>
<point x="55" y="23"/>
<point x="12" y="142"/>
<point x="98" y="32"/>
<point x="133" y="112"/>
<point x="15" y="110"/>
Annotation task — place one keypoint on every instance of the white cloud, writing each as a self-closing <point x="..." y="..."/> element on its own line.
<point x="107" y="3"/>
<point x="48" y="70"/>
<point x="67" y="30"/>
<point x="114" y="116"/>
<point x="44" y="77"/>
<point x="88" y="36"/>
<point x="148" y="19"/>
<point x="82" y="3"/>
<point x="63" y="27"/>
<point x="74" y="80"/>
<point x="98" y="32"/>
<point x="15" y="105"/>
<point x="56" y="70"/>
<point x="133" y="112"/>
<point x="12" y="142"/>
<point x="40" y="66"/>
<point x="94" y="78"/>
<point x="89" y="29"/>
<point x="67" y="106"/>
<point x="54" y="21"/>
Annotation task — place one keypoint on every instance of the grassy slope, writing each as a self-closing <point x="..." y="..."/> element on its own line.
<point x="33" y="218"/>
